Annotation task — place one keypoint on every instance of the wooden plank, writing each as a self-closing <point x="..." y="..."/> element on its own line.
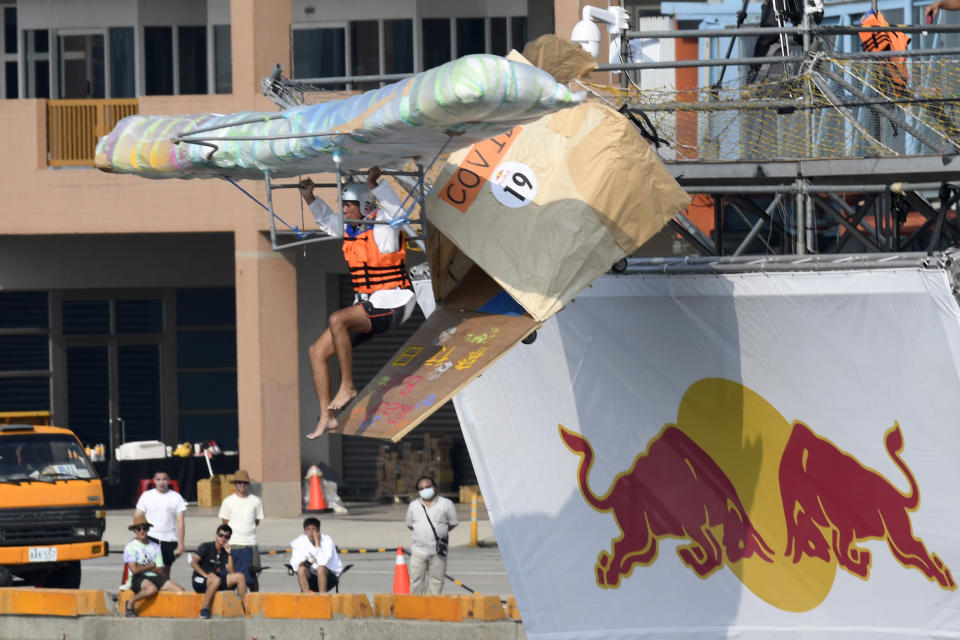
<point x="451" y="348"/>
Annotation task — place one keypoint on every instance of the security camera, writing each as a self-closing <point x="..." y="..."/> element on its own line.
<point x="587" y="34"/>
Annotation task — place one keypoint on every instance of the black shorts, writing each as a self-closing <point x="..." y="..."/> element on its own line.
<point x="381" y="321"/>
<point x="137" y="581"/>
<point x="167" y="551"/>
<point x="332" y="581"/>
<point x="200" y="583"/>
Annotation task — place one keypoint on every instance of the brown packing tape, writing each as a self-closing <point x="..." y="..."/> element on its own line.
<point x="562" y="59"/>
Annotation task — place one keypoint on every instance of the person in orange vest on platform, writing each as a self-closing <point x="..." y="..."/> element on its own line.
<point x="383" y="296"/>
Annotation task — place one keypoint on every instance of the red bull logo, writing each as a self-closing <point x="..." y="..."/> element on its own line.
<point x="673" y="490"/>
<point x="831" y="501"/>
<point x="777" y="504"/>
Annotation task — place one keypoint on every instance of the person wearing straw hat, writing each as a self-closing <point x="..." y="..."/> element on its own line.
<point x="243" y="511"/>
<point x="145" y="562"/>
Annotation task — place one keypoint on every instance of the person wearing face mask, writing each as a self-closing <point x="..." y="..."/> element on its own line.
<point x="430" y="517"/>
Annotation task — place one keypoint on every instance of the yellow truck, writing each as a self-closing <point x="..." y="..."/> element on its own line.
<point x="51" y="503"/>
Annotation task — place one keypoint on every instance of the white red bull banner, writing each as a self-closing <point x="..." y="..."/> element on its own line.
<point x="753" y="455"/>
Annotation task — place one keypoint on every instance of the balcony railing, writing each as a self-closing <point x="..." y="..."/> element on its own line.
<point x="74" y="126"/>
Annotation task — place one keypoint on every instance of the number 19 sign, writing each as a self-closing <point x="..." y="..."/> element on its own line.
<point x="514" y="184"/>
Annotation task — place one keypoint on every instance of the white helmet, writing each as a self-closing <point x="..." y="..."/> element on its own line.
<point x="359" y="193"/>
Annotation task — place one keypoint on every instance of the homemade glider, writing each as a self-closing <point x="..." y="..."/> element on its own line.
<point x="542" y="193"/>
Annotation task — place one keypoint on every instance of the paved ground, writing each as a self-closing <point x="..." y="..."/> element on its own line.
<point x="367" y="525"/>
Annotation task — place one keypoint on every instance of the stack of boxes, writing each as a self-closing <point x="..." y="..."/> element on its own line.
<point x="398" y="470"/>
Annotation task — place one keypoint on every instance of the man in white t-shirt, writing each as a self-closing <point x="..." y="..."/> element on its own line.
<point x="164" y="508"/>
<point x="243" y="511"/>
<point x="314" y="557"/>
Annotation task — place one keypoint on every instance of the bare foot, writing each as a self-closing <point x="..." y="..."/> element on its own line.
<point x="342" y="398"/>
<point x="324" y="425"/>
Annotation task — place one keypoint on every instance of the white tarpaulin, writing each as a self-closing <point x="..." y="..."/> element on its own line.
<point x="745" y="455"/>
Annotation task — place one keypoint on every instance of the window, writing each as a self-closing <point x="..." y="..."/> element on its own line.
<point x="82" y="68"/>
<point x="10" y="30"/>
<point x="365" y="51"/>
<point x="498" y="36"/>
<point x="207" y="365"/>
<point x="158" y="57"/>
<point x="319" y="53"/>
<point x="398" y="46"/>
<point x="436" y="42"/>
<point x="38" y="63"/>
<point x="122" y="74"/>
<point x="24" y="351"/>
<point x="471" y="36"/>
<point x="518" y="32"/>
<point x="8" y="71"/>
<point x="222" y="64"/>
<point x="192" y="59"/>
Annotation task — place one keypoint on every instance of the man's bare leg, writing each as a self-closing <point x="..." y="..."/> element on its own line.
<point x="319" y="352"/>
<point x="303" y="578"/>
<point x="342" y="324"/>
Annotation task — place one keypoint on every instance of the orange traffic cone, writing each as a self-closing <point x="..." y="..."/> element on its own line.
<point x="317" y="502"/>
<point x="401" y="577"/>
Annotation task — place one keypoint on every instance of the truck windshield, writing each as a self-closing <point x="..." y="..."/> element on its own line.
<point x="42" y="458"/>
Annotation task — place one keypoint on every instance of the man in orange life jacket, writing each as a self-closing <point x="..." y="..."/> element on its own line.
<point x="383" y="296"/>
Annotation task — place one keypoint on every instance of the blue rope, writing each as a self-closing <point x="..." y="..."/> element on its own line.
<point x="297" y="232"/>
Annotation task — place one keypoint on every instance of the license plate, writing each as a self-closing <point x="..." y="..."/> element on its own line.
<point x="43" y="554"/>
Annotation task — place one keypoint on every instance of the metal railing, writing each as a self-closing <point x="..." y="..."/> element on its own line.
<point x="74" y="126"/>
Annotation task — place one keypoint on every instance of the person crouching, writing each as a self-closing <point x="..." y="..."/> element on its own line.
<point x="314" y="558"/>
<point x="213" y="570"/>
<point x="145" y="563"/>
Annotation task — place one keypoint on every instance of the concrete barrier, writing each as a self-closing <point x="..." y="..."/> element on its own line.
<point x="17" y="627"/>
<point x="440" y="608"/>
<point x="512" y="611"/>
<point x="290" y="605"/>
<point x="53" y="602"/>
<point x="479" y="607"/>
